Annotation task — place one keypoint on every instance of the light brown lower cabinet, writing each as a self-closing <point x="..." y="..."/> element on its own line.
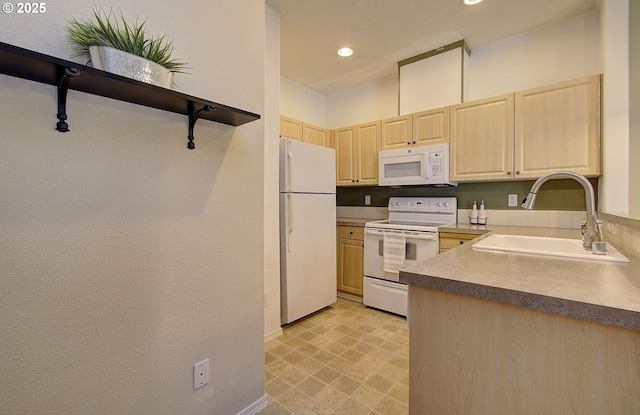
<point x="350" y="259"/>
<point x="472" y="356"/>
<point x="449" y="240"/>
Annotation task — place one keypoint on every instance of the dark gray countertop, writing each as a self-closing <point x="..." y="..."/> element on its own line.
<point x="602" y="292"/>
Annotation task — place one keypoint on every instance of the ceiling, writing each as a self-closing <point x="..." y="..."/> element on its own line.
<point x="383" y="32"/>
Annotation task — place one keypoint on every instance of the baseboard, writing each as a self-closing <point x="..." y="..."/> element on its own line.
<point x="255" y="407"/>
<point x="350" y="297"/>
<point x="274" y="334"/>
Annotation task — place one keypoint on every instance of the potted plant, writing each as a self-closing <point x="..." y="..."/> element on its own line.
<point x="114" y="45"/>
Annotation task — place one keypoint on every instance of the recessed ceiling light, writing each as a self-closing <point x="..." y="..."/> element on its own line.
<point x="471" y="2"/>
<point x="345" y="52"/>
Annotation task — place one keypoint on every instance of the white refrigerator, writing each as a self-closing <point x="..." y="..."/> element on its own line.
<point x="307" y="229"/>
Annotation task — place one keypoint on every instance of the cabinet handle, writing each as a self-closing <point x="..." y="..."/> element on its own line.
<point x="461" y="242"/>
<point x="408" y="143"/>
<point x="517" y="171"/>
<point x="350" y="232"/>
<point x="508" y="173"/>
<point x="414" y="142"/>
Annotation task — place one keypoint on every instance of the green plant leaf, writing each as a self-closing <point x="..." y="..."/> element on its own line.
<point x="106" y="29"/>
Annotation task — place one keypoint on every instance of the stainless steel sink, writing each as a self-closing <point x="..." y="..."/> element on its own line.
<point x="539" y="245"/>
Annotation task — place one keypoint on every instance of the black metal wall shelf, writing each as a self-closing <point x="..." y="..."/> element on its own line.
<point x="65" y="75"/>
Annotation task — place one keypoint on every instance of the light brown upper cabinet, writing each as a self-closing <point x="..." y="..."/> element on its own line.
<point x="419" y="129"/>
<point x="302" y="131"/>
<point x="314" y="135"/>
<point x="397" y="132"/>
<point x="290" y="128"/>
<point x="528" y="134"/>
<point x="431" y="127"/>
<point x="557" y="127"/>
<point x="481" y="139"/>
<point x="357" y="154"/>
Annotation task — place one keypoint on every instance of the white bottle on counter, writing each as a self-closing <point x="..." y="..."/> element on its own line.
<point x="474" y="213"/>
<point x="482" y="215"/>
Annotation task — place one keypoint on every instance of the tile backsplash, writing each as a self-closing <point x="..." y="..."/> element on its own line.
<point x="534" y="218"/>
<point x="622" y="232"/>
<point x="362" y="212"/>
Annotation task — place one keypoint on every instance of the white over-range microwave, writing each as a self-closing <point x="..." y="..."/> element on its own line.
<point x="421" y="165"/>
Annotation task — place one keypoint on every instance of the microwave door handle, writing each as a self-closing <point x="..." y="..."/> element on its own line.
<point x="427" y="166"/>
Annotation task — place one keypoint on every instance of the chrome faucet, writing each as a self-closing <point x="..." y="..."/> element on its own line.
<point x="592" y="231"/>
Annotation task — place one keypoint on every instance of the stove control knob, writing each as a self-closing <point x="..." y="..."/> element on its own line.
<point x="446" y="204"/>
<point x="439" y="204"/>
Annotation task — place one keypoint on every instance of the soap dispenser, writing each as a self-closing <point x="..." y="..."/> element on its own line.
<point x="474" y="214"/>
<point x="482" y="215"/>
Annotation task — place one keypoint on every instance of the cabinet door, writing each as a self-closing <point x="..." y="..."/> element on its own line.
<point x="290" y="128"/>
<point x="314" y="135"/>
<point x="345" y="158"/>
<point x="557" y="127"/>
<point x="481" y="139"/>
<point x="431" y="127"/>
<point x="367" y="147"/>
<point x="350" y="266"/>
<point x="331" y="139"/>
<point x="396" y="132"/>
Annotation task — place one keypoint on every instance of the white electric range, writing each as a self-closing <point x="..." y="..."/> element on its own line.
<point x="409" y="236"/>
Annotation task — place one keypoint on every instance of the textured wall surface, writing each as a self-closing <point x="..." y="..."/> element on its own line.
<point x="124" y="257"/>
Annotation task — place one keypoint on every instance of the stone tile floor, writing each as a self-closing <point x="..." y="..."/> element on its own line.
<point x="346" y="359"/>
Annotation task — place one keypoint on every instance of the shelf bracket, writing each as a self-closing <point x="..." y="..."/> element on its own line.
<point x="193" y="117"/>
<point x="63" y="88"/>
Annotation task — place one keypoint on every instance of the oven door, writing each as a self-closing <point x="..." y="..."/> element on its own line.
<point x="419" y="246"/>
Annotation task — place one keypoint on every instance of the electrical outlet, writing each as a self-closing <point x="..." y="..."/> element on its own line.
<point x="513" y="200"/>
<point x="367" y="199"/>
<point x="200" y="374"/>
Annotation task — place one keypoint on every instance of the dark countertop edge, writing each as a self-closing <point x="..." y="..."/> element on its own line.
<point x="580" y="310"/>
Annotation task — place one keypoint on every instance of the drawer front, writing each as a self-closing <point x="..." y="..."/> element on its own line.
<point x="450" y="241"/>
<point x="351" y="232"/>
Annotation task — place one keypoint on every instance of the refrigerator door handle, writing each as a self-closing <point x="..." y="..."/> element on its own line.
<point x="290" y="225"/>
<point x="290" y="156"/>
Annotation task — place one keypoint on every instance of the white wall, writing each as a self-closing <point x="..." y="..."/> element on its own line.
<point x="634" y="109"/>
<point x="614" y="189"/>
<point x="124" y="257"/>
<point x="271" y="178"/>
<point x="363" y="103"/>
<point x="302" y="103"/>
